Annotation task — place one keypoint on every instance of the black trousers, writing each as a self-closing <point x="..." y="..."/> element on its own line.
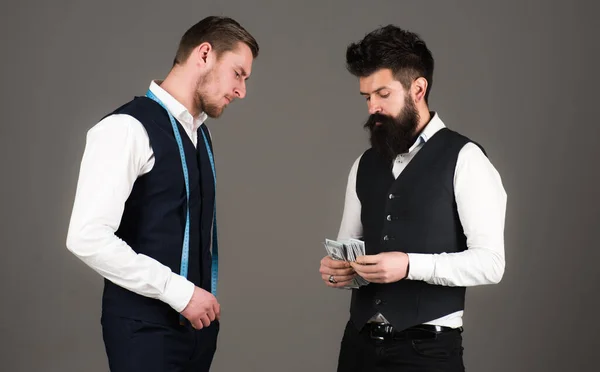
<point x="136" y="346"/>
<point x="359" y="352"/>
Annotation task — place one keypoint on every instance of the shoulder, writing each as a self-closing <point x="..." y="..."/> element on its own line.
<point x="121" y="131"/>
<point x="474" y="164"/>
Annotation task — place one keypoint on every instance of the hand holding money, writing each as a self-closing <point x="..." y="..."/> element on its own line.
<point x="340" y="254"/>
<point x="386" y="267"/>
<point x="336" y="273"/>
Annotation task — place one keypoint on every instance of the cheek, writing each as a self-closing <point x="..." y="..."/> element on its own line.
<point x="393" y="109"/>
<point x="230" y="84"/>
<point x="213" y="84"/>
<point x="224" y="86"/>
<point x="215" y="90"/>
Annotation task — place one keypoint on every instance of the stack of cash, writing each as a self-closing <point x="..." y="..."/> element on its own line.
<point x="347" y="250"/>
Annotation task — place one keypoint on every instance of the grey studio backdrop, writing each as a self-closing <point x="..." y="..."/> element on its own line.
<point x="520" y="77"/>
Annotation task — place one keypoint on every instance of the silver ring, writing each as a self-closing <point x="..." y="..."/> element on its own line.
<point x="332" y="279"/>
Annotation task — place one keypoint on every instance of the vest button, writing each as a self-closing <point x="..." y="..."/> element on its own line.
<point x="391" y="196"/>
<point x="377" y="302"/>
<point x="386" y="238"/>
<point x="389" y="217"/>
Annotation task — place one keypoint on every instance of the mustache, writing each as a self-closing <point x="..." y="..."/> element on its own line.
<point x="377" y="118"/>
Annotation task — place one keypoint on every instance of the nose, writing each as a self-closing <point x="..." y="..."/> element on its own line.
<point x="374" y="108"/>
<point x="240" y="91"/>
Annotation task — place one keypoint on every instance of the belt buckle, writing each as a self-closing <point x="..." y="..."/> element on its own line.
<point x="381" y="338"/>
<point x="377" y="327"/>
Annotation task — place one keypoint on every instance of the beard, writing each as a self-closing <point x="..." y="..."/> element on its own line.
<point x="201" y="99"/>
<point x="394" y="135"/>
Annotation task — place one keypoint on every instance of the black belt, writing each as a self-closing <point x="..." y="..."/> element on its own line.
<point x="384" y="331"/>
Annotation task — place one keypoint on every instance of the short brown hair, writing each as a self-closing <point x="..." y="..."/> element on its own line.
<point x="223" y="34"/>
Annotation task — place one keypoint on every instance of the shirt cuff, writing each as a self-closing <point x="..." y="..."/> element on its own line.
<point x="422" y="266"/>
<point x="178" y="292"/>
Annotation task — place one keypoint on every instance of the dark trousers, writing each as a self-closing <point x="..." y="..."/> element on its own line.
<point x="136" y="346"/>
<point x="360" y="352"/>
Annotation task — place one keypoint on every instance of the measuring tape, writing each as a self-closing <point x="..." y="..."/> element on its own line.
<point x="215" y="245"/>
<point x="186" y="239"/>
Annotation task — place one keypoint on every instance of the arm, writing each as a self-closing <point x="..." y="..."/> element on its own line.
<point x="351" y="226"/>
<point x="481" y="202"/>
<point x="117" y="152"/>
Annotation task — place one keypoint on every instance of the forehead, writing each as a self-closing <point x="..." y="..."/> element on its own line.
<point x="377" y="80"/>
<point x="240" y="57"/>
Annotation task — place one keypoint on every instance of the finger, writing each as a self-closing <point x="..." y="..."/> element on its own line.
<point x="334" y="264"/>
<point x="217" y="309"/>
<point x="374" y="278"/>
<point x="211" y="315"/>
<point x="366" y="269"/>
<point x="341" y="278"/>
<point x="344" y="278"/>
<point x="337" y="272"/>
<point x="197" y="324"/>
<point x="205" y="320"/>
<point x="368" y="259"/>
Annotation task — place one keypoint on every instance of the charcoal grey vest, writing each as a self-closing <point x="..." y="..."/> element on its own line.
<point x="415" y="213"/>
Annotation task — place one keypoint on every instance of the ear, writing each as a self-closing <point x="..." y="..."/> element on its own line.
<point x="201" y="54"/>
<point x="418" y="89"/>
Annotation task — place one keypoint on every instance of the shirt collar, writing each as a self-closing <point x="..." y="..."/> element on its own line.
<point x="177" y="109"/>
<point x="435" y="125"/>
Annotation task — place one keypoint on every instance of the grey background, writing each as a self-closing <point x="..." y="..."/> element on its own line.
<point x="520" y="77"/>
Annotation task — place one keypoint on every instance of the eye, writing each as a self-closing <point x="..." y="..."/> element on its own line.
<point x="237" y="75"/>
<point x="384" y="95"/>
<point x="368" y="98"/>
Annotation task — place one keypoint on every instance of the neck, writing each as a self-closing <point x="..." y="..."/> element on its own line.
<point x="182" y="87"/>
<point x="424" y="118"/>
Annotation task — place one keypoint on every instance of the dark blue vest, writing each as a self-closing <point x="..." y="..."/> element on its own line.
<point x="153" y="221"/>
<point x="415" y="213"/>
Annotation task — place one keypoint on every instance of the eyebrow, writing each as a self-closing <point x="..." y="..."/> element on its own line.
<point x="375" y="91"/>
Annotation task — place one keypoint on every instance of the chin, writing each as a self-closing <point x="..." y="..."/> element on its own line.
<point x="216" y="113"/>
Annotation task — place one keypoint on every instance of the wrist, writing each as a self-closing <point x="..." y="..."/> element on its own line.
<point x="178" y="292"/>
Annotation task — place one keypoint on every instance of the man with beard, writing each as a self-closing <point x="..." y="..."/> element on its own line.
<point x="430" y="208"/>
<point x="144" y="213"/>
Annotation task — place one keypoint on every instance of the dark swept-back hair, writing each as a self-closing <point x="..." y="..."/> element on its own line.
<point x="223" y="34"/>
<point x="401" y="51"/>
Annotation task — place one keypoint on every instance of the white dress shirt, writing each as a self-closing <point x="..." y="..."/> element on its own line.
<point x="481" y="202"/>
<point x="117" y="152"/>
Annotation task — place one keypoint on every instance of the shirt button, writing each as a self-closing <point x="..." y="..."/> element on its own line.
<point x="386" y="238"/>
<point x="377" y="302"/>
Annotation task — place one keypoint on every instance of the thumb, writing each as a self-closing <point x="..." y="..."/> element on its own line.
<point x="367" y="259"/>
